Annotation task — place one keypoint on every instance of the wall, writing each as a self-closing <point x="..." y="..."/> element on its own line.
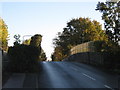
<point x="109" y="60"/>
<point x="84" y="47"/>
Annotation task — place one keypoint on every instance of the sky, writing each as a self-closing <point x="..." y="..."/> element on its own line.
<point x="45" y="18"/>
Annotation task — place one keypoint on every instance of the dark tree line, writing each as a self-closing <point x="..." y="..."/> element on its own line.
<point x="24" y="58"/>
<point x="36" y="41"/>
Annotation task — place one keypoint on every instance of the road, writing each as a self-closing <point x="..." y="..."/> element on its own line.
<point x="64" y="75"/>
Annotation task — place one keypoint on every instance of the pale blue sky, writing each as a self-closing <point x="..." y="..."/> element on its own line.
<point x="45" y="18"/>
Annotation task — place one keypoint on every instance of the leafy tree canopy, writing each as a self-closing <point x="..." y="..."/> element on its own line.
<point x="78" y="31"/>
<point x="111" y="16"/>
<point x="3" y="35"/>
<point x="36" y="40"/>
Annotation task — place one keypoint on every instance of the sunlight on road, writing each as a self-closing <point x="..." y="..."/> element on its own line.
<point x="54" y="76"/>
<point x="44" y="61"/>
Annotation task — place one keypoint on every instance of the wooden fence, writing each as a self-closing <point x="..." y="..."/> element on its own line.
<point x="109" y="60"/>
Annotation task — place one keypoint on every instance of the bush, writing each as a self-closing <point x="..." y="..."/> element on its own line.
<point x="23" y="58"/>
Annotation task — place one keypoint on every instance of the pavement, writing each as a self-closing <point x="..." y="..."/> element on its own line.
<point x="0" y="69"/>
<point x="64" y="75"/>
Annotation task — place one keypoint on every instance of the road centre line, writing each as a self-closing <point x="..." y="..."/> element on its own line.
<point x="108" y="87"/>
<point x="88" y="76"/>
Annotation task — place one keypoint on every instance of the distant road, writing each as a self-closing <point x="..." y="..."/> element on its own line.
<point x="64" y="75"/>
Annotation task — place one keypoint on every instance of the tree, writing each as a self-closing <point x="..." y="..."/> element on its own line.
<point x="27" y="42"/>
<point x="3" y="35"/>
<point x="43" y="57"/>
<point x="95" y="33"/>
<point x="17" y="40"/>
<point x="111" y="16"/>
<point x="36" y="40"/>
<point x="52" y="57"/>
<point x="58" y="54"/>
<point x="78" y="31"/>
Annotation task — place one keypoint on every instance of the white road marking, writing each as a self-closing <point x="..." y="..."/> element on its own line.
<point x="88" y="76"/>
<point x="108" y="87"/>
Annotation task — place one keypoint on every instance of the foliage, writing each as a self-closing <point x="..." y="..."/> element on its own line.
<point x="36" y="40"/>
<point x="58" y="54"/>
<point x="101" y="46"/>
<point x="27" y="42"/>
<point x="111" y="16"/>
<point x="78" y="31"/>
<point x="43" y="57"/>
<point x="95" y="32"/>
<point x="23" y="58"/>
<point x="17" y="40"/>
<point x="3" y="35"/>
<point x="52" y="57"/>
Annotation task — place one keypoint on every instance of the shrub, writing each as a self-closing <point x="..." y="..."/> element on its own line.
<point x="23" y="58"/>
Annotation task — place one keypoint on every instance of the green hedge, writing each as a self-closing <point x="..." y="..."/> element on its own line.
<point x="23" y="58"/>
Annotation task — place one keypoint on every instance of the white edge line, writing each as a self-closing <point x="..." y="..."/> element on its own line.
<point x="108" y="87"/>
<point x="88" y="76"/>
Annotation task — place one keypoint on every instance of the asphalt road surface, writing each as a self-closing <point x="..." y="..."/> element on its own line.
<point x="64" y="75"/>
